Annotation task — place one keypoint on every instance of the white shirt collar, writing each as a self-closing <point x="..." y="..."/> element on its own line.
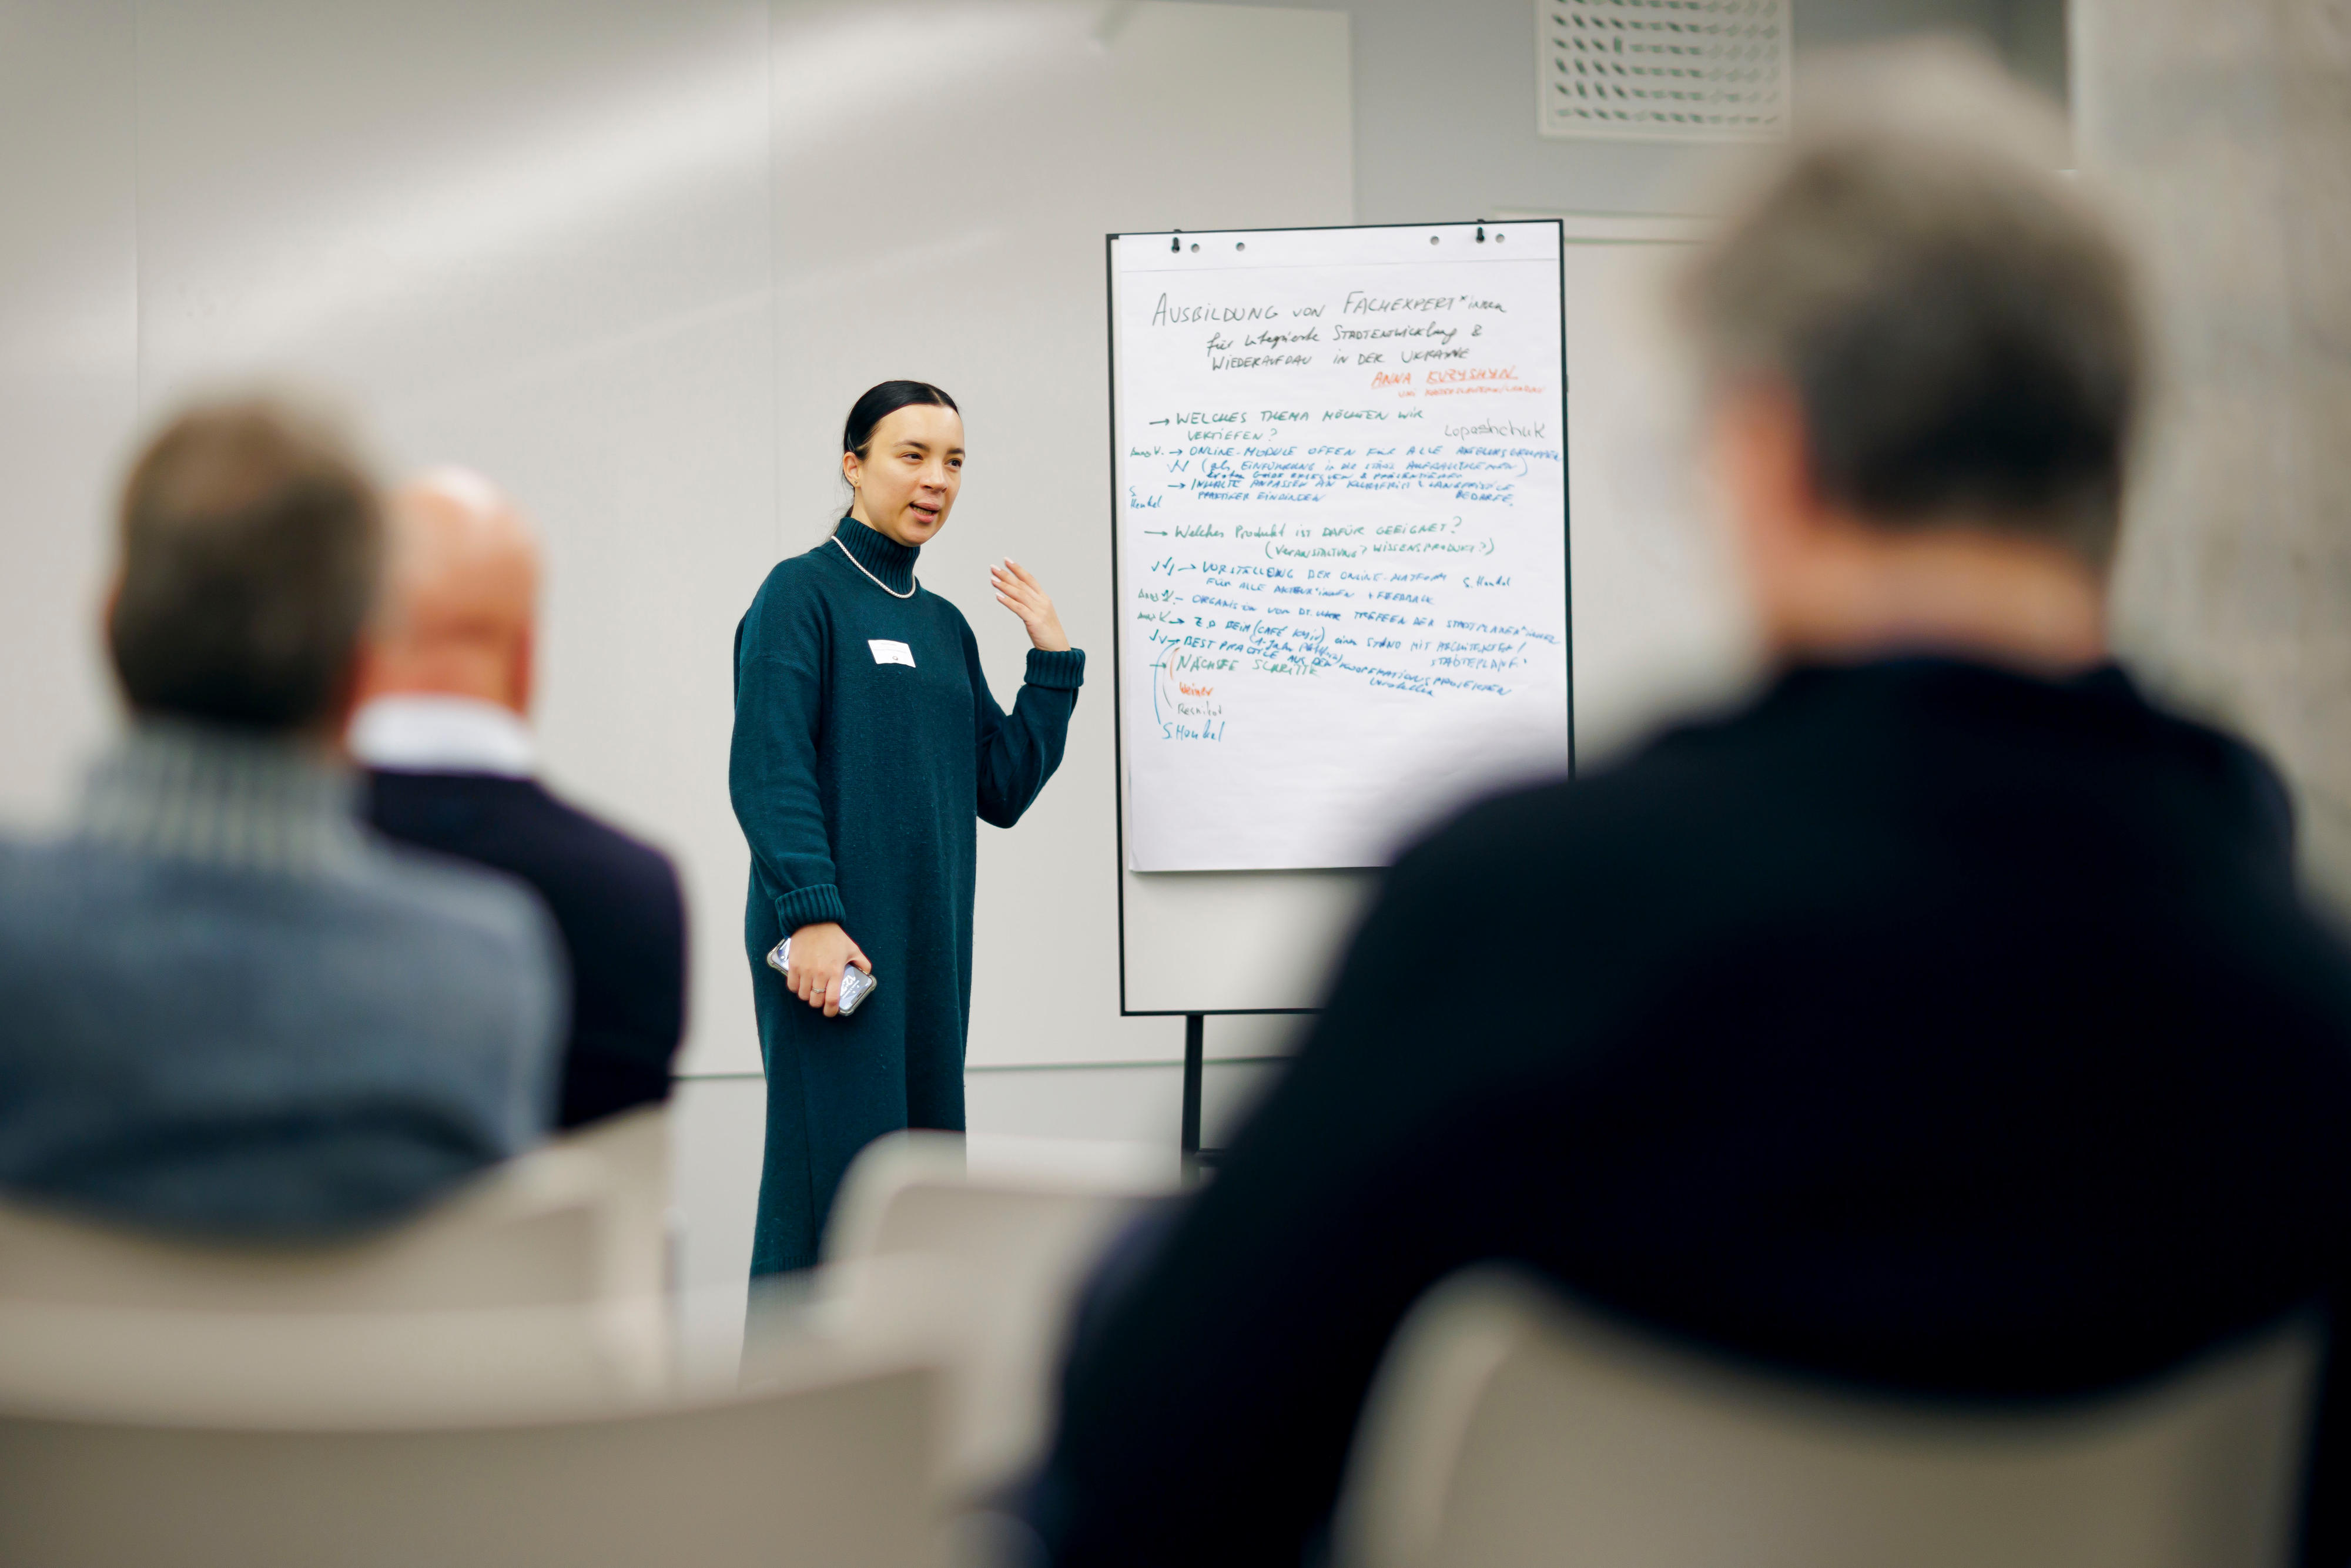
<point x="422" y="734"/>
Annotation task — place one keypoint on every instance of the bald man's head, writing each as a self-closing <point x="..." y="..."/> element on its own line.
<point x="460" y="598"/>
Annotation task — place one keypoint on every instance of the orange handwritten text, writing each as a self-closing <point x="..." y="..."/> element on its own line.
<point x="1456" y="375"/>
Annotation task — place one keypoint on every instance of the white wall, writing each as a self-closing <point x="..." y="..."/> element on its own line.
<point x="532" y="237"/>
<point x="2224" y="131"/>
<point x="69" y="370"/>
<point x="1658" y="626"/>
<point x="633" y="257"/>
<point x="1069" y="123"/>
<point x="634" y="260"/>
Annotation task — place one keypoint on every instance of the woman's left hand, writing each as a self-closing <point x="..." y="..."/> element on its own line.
<point x="1025" y="596"/>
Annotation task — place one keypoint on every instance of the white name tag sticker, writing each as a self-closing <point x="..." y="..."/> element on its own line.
<point x="888" y="653"/>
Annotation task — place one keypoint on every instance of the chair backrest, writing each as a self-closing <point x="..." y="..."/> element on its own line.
<point x="1008" y="1249"/>
<point x="579" y="1219"/>
<point x="831" y="1467"/>
<point x="1508" y="1427"/>
<point x="916" y="1192"/>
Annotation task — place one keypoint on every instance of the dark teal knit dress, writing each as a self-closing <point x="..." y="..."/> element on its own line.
<point x="866" y="742"/>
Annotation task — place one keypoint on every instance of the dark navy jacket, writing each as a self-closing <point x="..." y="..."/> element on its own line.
<point x="615" y="900"/>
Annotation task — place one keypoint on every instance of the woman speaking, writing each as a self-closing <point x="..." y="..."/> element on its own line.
<point x="865" y="742"/>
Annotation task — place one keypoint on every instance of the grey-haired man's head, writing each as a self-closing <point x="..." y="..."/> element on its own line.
<point x="1956" y="327"/>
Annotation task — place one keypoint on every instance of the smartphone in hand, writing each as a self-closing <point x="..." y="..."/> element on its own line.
<point x="856" y="985"/>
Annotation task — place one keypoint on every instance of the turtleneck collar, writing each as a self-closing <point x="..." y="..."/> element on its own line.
<point x="201" y="792"/>
<point x="878" y="553"/>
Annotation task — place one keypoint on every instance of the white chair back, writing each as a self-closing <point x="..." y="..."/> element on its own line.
<point x="1005" y="1252"/>
<point x="1509" y="1429"/>
<point x="579" y="1219"/>
<point x="829" y="1469"/>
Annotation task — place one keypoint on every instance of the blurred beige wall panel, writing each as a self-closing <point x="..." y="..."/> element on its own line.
<point x="69" y="376"/>
<point x="1660" y="628"/>
<point x="2224" y="126"/>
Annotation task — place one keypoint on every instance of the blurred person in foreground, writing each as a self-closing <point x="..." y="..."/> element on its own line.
<point x="1947" y="1022"/>
<point x="446" y="692"/>
<point x="224" y="1007"/>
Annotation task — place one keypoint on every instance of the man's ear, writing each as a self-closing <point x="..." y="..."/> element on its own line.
<point x="350" y="690"/>
<point x="1764" y="459"/>
<point x="105" y="611"/>
<point x="524" y="674"/>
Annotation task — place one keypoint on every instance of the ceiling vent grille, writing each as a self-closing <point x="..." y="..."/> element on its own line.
<point x="1663" y="71"/>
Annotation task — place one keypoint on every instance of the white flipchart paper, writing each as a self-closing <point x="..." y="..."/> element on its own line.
<point x="1341" y="460"/>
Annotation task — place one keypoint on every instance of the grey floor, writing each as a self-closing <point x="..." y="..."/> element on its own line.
<point x="719" y="1124"/>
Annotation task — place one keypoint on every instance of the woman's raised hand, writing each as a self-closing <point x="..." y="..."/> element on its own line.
<point x="1025" y="596"/>
<point x="819" y="953"/>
